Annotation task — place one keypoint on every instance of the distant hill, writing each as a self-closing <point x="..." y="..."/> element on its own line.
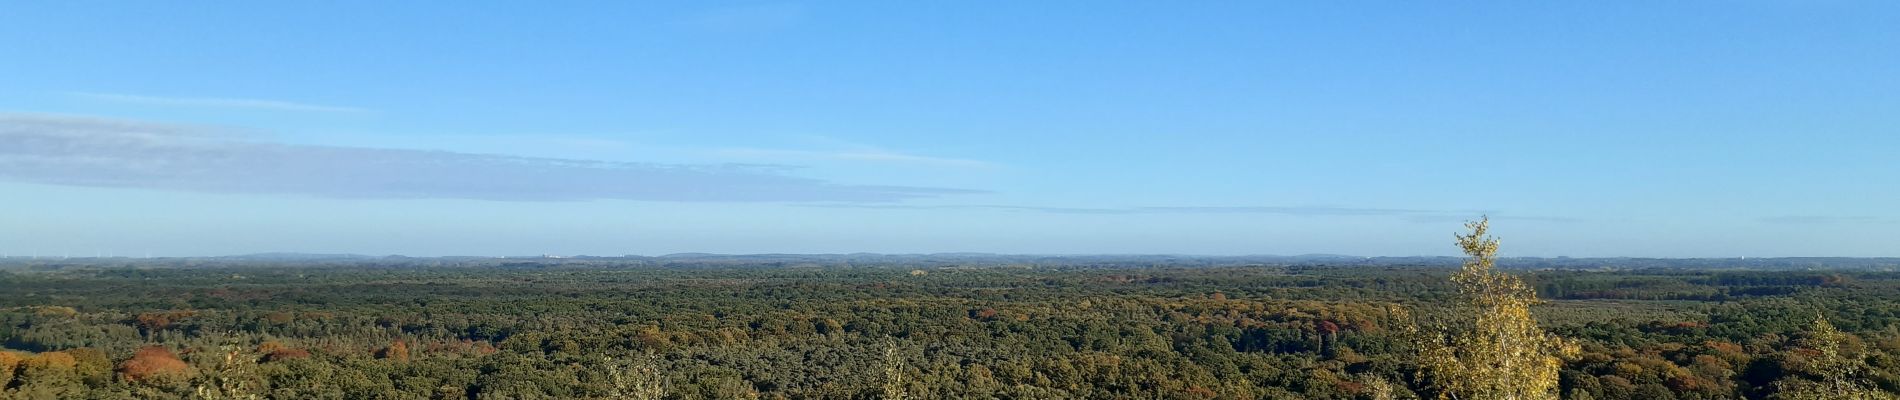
<point x="282" y="256"/>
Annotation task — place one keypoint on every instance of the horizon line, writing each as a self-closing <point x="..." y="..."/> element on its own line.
<point x="881" y="254"/>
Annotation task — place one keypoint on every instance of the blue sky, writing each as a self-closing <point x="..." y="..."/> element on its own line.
<point x="1677" y="129"/>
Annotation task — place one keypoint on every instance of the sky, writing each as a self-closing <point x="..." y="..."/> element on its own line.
<point x="1647" y="129"/>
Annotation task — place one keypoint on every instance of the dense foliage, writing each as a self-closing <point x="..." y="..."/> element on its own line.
<point x="607" y="329"/>
<point x="1493" y="348"/>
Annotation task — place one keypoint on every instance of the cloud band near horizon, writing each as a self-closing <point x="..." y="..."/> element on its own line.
<point x="99" y="152"/>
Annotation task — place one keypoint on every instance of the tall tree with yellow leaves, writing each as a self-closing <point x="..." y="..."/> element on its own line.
<point x="895" y="384"/>
<point x="635" y="379"/>
<point x="1839" y="373"/>
<point x="1494" y="350"/>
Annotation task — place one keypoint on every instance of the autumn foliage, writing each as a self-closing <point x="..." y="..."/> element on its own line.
<point x="1497" y="351"/>
<point x="9" y="362"/>
<point x="984" y="314"/>
<point x="157" y="321"/>
<point x="397" y="350"/>
<point x="50" y="361"/>
<point x="153" y="363"/>
<point x="286" y="353"/>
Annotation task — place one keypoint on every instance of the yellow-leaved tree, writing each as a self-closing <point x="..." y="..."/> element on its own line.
<point x="1492" y="349"/>
<point x="635" y="378"/>
<point x="895" y="384"/>
<point x="1839" y="373"/>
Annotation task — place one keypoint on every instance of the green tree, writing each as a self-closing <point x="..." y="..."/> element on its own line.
<point x="635" y="379"/>
<point x="1840" y="374"/>
<point x="234" y="377"/>
<point x="895" y="385"/>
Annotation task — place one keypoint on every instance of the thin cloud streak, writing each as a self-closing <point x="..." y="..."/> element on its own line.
<point x="1340" y="211"/>
<point x="1314" y="211"/>
<point x="1439" y="217"/>
<point x="868" y="155"/>
<point x="85" y="151"/>
<point x="1055" y="210"/>
<point x="215" y="102"/>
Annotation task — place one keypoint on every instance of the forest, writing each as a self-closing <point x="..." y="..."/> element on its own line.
<point x="1093" y="328"/>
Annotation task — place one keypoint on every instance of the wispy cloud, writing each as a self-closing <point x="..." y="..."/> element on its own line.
<point x="85" y="151"/>
<point x="1409" y="214"/>
<point x="1336" y="211"/>
<point x="215" y="102"/>
<point x="859" y="154"/>
<point x="1439" y="217"/>
<point x="1056" y="210"/>
<point x="827" y="148"/>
